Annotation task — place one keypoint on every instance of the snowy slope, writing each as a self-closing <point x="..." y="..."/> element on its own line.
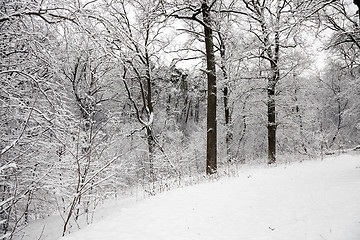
<point x="302" y="201"/>
<point x="309" y="200"/>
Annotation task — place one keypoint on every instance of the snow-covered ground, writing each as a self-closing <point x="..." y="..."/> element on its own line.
<point x="301" y="201"/>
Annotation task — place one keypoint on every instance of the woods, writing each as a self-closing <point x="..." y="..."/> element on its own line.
<point x="101" y="97"/>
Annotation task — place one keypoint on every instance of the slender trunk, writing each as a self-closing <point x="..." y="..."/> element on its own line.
<point x="339" y="123"/>
<point x="72" y="207"/>
<point x="149" y="132"/>
<point x="226" y="93"/>
<point x="188" y="111"/>
<point x="211" y="151"/>
<point x="243" y="131"/>
<point x="26" y="213"/>
<point x="301" y="130"/>
<point x="151" y="146"/>
<point x="301" y="125"/>
<point x="197" y="110"/>
<point x="229" y="134"/>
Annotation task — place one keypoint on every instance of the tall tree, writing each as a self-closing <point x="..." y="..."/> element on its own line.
<point x="191" y="11"/>
<point x="135" y="41"/>
<point x="211" y="152"/>
<point x="274" y="25"/>
<point x="340" y="79"/>
<point x="223" y="28"/>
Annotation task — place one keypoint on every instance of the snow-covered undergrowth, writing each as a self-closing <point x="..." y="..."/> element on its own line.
<point x="308" y="200"/>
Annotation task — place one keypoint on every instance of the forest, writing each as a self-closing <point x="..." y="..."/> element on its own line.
<point x="100" y="98"/>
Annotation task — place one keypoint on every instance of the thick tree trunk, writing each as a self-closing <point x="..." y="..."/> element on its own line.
<point x="271" y="124"/>
<point x="211" y="151"/>
<point x="273" y="56"/>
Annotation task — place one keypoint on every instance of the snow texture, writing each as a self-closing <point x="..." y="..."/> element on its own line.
<point x="312" y="200"/>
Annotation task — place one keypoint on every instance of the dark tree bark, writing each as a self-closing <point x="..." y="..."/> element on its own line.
<point x="141" y="67"/>
<point x="268" y="25"/>
<point x="271" y="125"/>
<point x="273" y="58"/>
<point x="206" y="22"/>
<point x="149" y="105"/>
<point x="271" y="54"/>
<point x="211" y="151"/>
<point x="146" y="104"/>
<point x="272" y="81"/>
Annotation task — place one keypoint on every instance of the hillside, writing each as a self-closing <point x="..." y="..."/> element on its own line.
<point x="308" y="200"/>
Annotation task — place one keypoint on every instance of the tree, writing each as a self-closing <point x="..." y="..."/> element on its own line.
<point x="189" y="11"/>
<point x="28" y="107"/>
<point x="337" y="18"/>
<point x="50" y="124"/>
<point x="274" y="25"/>
<point x="224" y="46"/>
<point x="211" y="156"/>
<point x="340" y="79"/>
<point x="134" y="41"/>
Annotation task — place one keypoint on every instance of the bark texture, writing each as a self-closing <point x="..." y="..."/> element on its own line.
<point x="211" y="151"/>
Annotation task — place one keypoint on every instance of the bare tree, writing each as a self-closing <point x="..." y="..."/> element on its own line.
<point x="135" y="42"/>
<point x="274" y="25"/>
<point x="340" y="79"/>
<point x="28" y="100"/>
<point x="191" y="12"/>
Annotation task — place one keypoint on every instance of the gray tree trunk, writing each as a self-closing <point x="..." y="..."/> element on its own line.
<point x="226" y="93"/>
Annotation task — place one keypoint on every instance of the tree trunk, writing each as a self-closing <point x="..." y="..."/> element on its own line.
<point x="197" y="110"/>
<point x="149" y="106"/>
<point x="271" y="122"/>
<point x="273" y="56"/>
<point x="229" y="134"/>
<point x="151" y="146"/>
<point x="301" y="125"/>
<point x="211" y="151"/>
<point x="226" y="93"/>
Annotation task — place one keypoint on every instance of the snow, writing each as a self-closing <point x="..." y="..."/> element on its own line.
<point x="300" y="201"/>
<point x="6" y="166"/>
